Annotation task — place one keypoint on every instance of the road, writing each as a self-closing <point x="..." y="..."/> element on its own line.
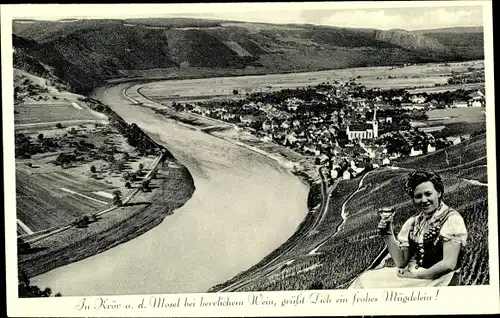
<point x="342" y="213"/>
<point x="24" y="227"/>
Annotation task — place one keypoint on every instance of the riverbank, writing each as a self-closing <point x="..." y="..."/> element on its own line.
<point x="239" y="213"/>
<point x="300" y="166"/>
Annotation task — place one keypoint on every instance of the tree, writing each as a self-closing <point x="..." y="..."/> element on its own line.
<point x="93" y="217"/>
<point x="145" y="185"/>
<point x="125" y="156"/>
<point x="93" y="169"/>
<point x="59" y="126"/>
<point x="26" y="290"/>
<point x="81" y="222"/>
<point x="22" y="246"/>
<point x="40" y="137"/>
<point x="141" y="166"/>
<point x="117" y="198"/>
<point x="235" y="91"/>
<point x="128" y="185"/>
<point x="64" y="159"/>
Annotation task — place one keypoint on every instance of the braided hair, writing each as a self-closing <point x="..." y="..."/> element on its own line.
<point x="417" y="177"/>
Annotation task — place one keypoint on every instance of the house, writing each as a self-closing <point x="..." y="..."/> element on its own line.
<point x="227" y="116"/>
<point x="247" y="119"/>
<point x="359" y="169"/>
<point x="459" y="104"/>
<point x="386" y="161"/>
<point x="478" y="95"/>
<point x="314" y="151"/>
<point x="285" y="124"/>
<point x="267" y="125"/>
<point x="410" y="106"/>
<point x="290" y="139"/>
<point x="266" y="138"/>
<point x="417" y="99"/>
<point x="455" y="140"/>
<point x="414" y="152"/>
<point x="371" y="151"/>
<point x="323" y="158"/>
<point x="394" y="156"/>
<point x="198" y="109"/>
<point x="337" y="150"/>
<point x="430" y="148"/>
<point x="346" y="175"/>
<point x="476" y="103"/>
<point x="292" y="103"/>
<point x="334" y="173"/>
<point x="388" y="120"/>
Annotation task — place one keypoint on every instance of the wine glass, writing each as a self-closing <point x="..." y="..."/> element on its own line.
<point x="386" y="215"/>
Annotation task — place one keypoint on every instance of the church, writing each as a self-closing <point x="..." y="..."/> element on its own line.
<point x="368" y="130"/>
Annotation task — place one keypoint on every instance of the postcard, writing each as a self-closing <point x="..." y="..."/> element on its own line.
<point x="249" y="159"/>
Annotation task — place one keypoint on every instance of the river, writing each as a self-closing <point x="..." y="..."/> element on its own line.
<point x="244" y="206"/>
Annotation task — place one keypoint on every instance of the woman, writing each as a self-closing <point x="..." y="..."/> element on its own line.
<point x="427" y="250"/>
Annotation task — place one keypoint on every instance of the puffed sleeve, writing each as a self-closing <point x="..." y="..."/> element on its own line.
<point x="404" y="233"/>
<point x="454" y="229"/>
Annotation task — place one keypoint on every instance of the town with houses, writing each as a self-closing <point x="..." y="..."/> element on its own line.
<point x="345" y="127"/>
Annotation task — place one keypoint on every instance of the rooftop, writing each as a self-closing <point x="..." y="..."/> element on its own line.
<point x="360" y="127"/>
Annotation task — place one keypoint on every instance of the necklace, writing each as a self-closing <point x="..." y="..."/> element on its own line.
<point x="423" y="221"/>
<point x="420" y="226"/>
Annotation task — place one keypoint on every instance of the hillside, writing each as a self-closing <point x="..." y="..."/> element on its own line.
<point x="332" y="261"/>
<point x="467" y="40"/>
<point x="85" y="53"/>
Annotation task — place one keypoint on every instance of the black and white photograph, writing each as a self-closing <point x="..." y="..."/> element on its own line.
<point x="253" y="156"/>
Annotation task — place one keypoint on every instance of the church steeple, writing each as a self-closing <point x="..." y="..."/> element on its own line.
<point x="375" y="123"/>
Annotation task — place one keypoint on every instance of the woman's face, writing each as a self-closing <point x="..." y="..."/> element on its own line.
<point x="426" y="197"/>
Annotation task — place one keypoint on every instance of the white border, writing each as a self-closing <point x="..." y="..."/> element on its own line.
<point x="450" y="300"/>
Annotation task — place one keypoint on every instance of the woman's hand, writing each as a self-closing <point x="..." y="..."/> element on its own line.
<point x="404" y="273"/>
<point x="384" y="227"/>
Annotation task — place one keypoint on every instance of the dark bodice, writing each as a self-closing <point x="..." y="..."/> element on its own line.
<point x="430" y="251"/>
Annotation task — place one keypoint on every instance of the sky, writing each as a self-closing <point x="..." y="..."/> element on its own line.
<point x="380" y="18"/>
<point x="422" y="16"/>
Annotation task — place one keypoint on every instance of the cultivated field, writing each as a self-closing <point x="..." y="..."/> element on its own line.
<point x="440" y="89"/>
<point x="455" y="115"/>
<point x="50" y="195"/>
<point x="400" y="77"/>
<point x="42" y="203"/>
<point x="39" y="112"/>
<point x="448" y="122"/>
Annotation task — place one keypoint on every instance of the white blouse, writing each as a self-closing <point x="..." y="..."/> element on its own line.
<point x="453" y="229"/>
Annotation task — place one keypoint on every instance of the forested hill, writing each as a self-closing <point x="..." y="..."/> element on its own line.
<point x="84" y="53"/>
